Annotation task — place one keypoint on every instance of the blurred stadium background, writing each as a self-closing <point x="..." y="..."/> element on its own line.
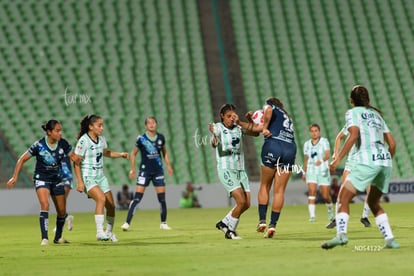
<point x="179" y="60"/>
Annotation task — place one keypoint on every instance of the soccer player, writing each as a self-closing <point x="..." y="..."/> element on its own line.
<point x="227" y="140"/>
<point x="278" y="158"/>
<point x="88" y="166"/>
<point x="373" y="160"/>
<point x="316" y="167"/>
<point x="151" y="144"/>
<point x="48" y="178"/>
<point x="348" y="166"/>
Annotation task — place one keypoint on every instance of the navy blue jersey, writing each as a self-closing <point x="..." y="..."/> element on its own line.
<point x="281" y="126"/>
<point x="67" y="168"/>
<point x="49" y="161"/>
<point x="151" y="149"/>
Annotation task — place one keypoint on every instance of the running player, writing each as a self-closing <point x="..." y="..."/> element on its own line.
<point x="349" y="164"/>
<point x="152" y="147"/>
<point x="48" y="178"/>
<point x="316" y="166"/>
<point x="278" y="158"/>
<point x="89" y="152"/>
<point x="227" y="140"/>
<point x="373" y="160"/>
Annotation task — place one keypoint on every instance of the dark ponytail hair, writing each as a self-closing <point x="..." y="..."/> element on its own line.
<point x="50" y="125"/>
<point x="86" y="122"/>
<point x="360" y="97"/>
<point x="276" y="102"/>
<point x="226" y="107"/>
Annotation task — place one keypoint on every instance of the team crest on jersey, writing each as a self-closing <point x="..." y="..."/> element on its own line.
<point x="61" y="151"/>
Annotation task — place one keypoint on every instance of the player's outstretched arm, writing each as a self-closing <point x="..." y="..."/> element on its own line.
<point x="23" y="158"/>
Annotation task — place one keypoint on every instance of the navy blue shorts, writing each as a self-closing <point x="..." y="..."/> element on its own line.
<point x="277" y="153"/>
<point x="144" y="178"/>
<point x="55" y="188"/>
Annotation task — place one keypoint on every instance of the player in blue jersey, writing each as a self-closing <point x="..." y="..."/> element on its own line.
<point x="278" y="159"/>
<point x="373" y="161"/>
<point x="227" y="140"/>
<point x="88" y="166"/>
<point x="151" y="144"/>
<point x="316" y="156"/>
<point x="48" y="177"/>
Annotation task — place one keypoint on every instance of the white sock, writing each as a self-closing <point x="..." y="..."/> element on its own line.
<point x="99" y="220"/>
<point x="311" y="208"/>
<point x="226" y="219"/>
<point x="366" y="210"/>
<point x="233" y="223"/>
<point x="384" y="226"/>
<point x="109" y="223"/>
<point x="336" y="208"/>
<point x="330" y="207"/>
<point x="342" y="223"/>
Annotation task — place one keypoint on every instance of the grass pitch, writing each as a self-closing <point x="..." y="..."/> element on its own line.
<point x="195" y="247"/>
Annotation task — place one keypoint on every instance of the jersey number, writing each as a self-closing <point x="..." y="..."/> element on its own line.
<point x="98" y="157"/>
<point x="287" y="123"/>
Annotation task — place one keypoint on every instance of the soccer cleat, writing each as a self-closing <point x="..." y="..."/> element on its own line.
<point x="102" y="236"/>
<point x="45" y="242"/>
<point x="365" y="222"/>
<point x="391" y="244"/>
<point x="231" y="235"/>
<point x="342" y="239"/>
<point x="270" y="232"/>
<point x="69" y="220"/>
<point x="62" y="240"/>
<point x="312" y="219"/>
<point x="112" y="237"/>
<point x="261" y="226"/>
<point x="222" y="226"/>
<point x="332" y="224"/>
<point x="125" y="226"/>
<point x="164" y="226"/>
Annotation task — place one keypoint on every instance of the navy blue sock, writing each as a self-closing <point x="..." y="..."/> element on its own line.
<point x="262" y="212"/>
<point x="60" y="222"/>
<point x="274" y="217"/>
<point x="44" y="224"/>
<point x="133" y="205"/>
<point x="161" y="199"/>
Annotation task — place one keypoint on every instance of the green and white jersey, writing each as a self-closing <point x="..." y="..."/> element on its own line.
<point x="92" y="153"/>
<point x="352" y="151"/>
<point x="370" y="147"/>
<point x="229" y="151"/>
<point x="316" y="152"/>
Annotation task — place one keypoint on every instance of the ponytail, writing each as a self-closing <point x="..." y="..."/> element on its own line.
<point x="86" y="122"/>
<point x="50" y="125"/>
